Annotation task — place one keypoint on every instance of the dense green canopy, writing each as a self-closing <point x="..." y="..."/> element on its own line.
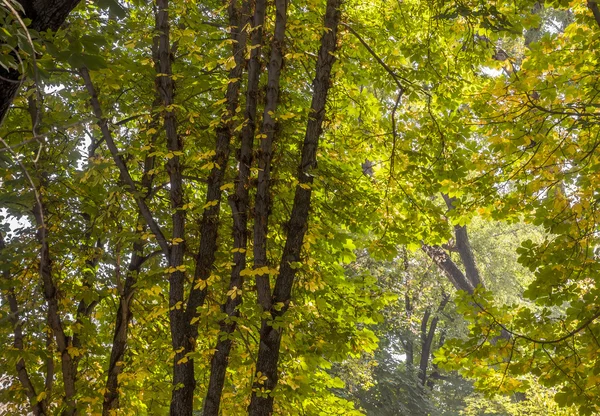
<point x="299" y="207"/>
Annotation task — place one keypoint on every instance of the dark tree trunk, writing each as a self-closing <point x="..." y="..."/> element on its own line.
<point x="445" y="263"/>
<point x="184" y="383"/>
<point x="464" y="248"/>
<point x="124" y="315"/>
<point x="185" y="328"/>
<point x="126" y="293"/>
<point x="262" y="205"/>
<point x="37" y="408"/>
<point x="409" y="345"/>
<point x="427" y="338"/>
<point x="270" y="338"/>
<point x="63" y="341"/>
<point x="239" y="203"/>
<point x="44" y="15"/>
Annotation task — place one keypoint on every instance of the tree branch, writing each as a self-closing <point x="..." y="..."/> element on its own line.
<point x="118" y="159"/>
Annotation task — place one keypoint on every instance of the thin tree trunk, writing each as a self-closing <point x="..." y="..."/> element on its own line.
<point x="239" y="203"/>
<point x="124" y="314"/>
<point x="263" y="204"/>
<point x="464" y="248"/>
<point x="427" y="338"/>
<point x="185" y="330"/>
<point x="123" y="317"/>
<point x="261" y="403"/>
<point x="50" y="291"/>
<point x="183" y="386"/>
<point x="37" y="408"/>
<point x="63" y="341"/>
<point x="409" y="345"/>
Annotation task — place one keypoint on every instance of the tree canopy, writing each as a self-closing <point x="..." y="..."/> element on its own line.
<point x="299" y="208"/>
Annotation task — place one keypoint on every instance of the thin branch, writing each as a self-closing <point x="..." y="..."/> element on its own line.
<point x="125" y="175"/>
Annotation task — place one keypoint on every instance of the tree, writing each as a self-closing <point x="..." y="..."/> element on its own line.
<point x="42" y="16"/>
<point x="125" y="274"/>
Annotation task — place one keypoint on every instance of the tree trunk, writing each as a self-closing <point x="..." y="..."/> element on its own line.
<point x="270" y="338"/>
<point x="37" y="408"/>
<point x="239" y="203"/>
<point x="427" y="339"/>
<point x="63" y="341"/>
<point x="464" y="248"/>
<point x="44" y="15"/>
<point x="262" y="205"/>
<point x="185" y="328"/>
<point x="124" y="314"/>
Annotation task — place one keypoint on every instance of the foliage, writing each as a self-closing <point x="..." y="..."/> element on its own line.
<point x="126" y="160"/>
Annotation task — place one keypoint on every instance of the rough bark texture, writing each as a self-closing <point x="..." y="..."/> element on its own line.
<point x="261" y="403"/>
<point x="262" y="205"/>
<point x="44" y="15"/>
<point x="445" y="263"/>
<point x="186" y="330"/>
<point x="209" y="225"/>
<point x="184" y="382"/>
<point x="239" y="203"/>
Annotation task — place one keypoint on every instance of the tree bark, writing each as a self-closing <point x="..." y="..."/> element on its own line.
<point x="409" y="345"/>
<point x="124" y="314"/>
<point x="37" y="407"/>
<point x="184" y="383"/>
<point x="427" y="338"/>
<point x="263" y="203"/>
<point x="63" y="341"/>
<point x="185" y="331"/>
<point x="593" y="6"/>
<point x="266" y="378"/>
<point x="464" y="248"/>
<point x="239" y="203"/>
<point x="445" y="263"/>
<point x="44" y="15"/>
